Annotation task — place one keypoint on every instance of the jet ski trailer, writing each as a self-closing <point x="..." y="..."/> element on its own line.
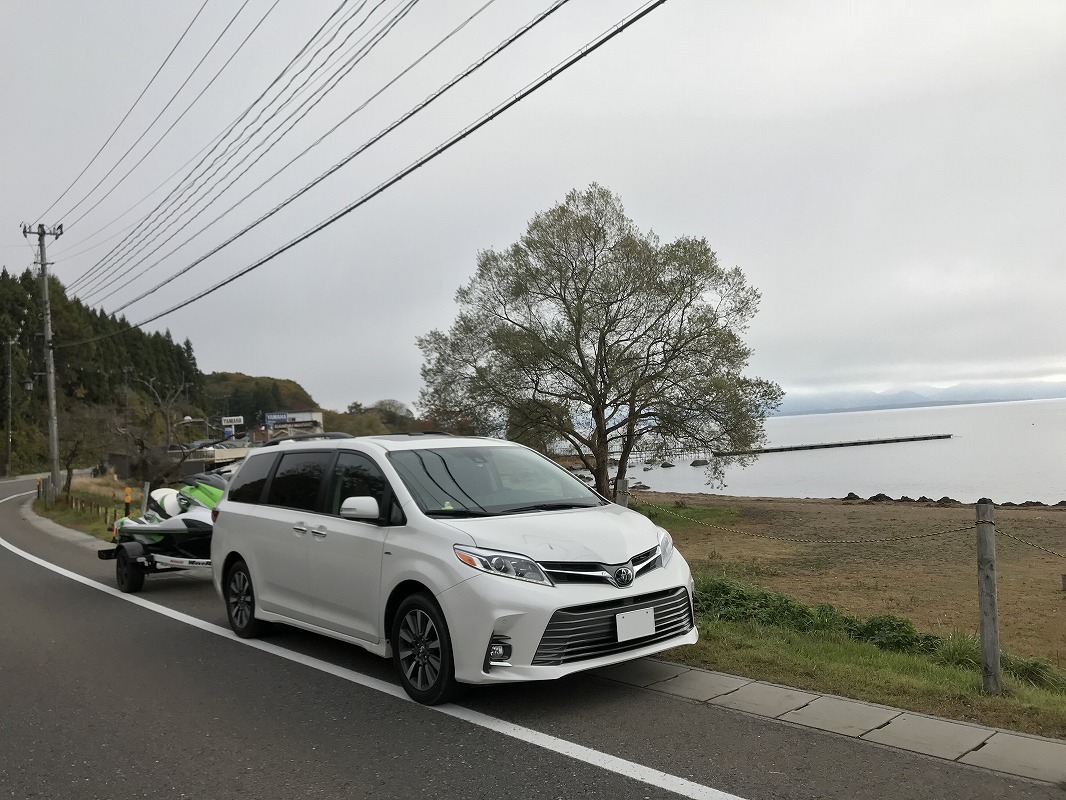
<point x="144" y="547"/>
<point x="174" y="535"/>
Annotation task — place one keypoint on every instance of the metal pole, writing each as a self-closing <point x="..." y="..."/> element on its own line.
<point x="49" y="364"/>
<point x="986" y="588"/>
<point x="126" y="393"/>
<point x="7" y="467"/>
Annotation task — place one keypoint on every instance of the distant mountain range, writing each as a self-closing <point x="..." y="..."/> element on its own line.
<point x="831" y="401"/>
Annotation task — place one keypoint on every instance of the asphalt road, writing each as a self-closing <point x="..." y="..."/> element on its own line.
<point x="105" y="698"/>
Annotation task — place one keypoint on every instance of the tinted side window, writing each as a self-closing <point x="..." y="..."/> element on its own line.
<point x="247" y="486"/>
<point x="355" y="475"/>
<point x="296" y="483"/>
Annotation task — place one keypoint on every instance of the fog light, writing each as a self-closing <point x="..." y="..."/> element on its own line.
<point x="498" y="652"/>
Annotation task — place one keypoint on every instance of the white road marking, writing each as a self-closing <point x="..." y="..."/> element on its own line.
<point x="596" y="758"/>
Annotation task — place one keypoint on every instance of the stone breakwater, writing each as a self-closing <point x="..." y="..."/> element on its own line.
<point x="851" y="497"/>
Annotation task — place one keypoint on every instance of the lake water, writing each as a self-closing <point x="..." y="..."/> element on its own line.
<point x="1005" y="451"/>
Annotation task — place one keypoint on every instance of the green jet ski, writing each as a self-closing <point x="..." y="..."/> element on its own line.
<point x="174" y="533"/>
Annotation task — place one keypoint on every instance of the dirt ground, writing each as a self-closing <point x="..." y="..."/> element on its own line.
<point x="931" y="580"/>
<point x="106" y="486"/>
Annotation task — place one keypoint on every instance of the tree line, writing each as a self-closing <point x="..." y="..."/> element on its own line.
<point x="121" y="390"/>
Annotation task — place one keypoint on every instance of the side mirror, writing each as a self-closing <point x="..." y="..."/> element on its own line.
<point x="360" y="508"/>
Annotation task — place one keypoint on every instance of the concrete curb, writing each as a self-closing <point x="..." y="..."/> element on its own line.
<point x="79" y="538"/>
<point x="1034" y="757"/>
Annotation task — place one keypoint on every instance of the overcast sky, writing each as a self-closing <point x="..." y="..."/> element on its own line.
<point x="890" y="176"/>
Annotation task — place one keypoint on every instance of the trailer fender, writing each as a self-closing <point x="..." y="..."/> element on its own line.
<point x="135" y="550"/>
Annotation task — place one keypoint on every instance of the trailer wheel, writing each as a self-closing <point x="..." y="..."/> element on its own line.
<point x="129" y="574"/>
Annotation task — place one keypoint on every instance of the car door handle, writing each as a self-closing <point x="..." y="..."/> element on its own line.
<point x="300" y="530"/>
<point x="319" y="534"/>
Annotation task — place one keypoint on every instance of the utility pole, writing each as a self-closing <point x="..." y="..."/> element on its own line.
<point x="49" y="357"/>
<point x="126" y="391"/>
<point x="7" y="468"/>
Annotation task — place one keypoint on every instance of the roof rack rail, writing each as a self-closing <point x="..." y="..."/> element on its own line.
<point x="308" y="437"/>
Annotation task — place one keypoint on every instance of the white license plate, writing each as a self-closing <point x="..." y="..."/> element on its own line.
<point x="634" y="624"/>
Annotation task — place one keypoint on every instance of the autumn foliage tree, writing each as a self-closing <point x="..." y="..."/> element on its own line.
<point x="595" y="333"/>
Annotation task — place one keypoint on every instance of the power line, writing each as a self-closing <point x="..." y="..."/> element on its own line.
<point x="176" y="172"/>
<point x="584" y="52"/>
<point x="229" y="128"/>
<point x="580" y="54"/>
<point x="265" y="146"/>
<point x="197" y="183"/>
<point x="178" y="119"/>
<point x="188" y="180"/>
<point x="126" y="116"/>
<point x="151" y="124"/>
<point x="525" y="29"/>
<point x="347" y="159"/>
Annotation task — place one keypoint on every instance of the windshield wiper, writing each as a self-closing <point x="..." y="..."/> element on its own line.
<point x="457" y="512"/>
<point x="546" y="507"/>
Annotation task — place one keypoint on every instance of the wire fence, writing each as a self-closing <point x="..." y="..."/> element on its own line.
<point x="733" y="599"/>
<point x="799" y="539"/>
<point x="1003" y="533"/>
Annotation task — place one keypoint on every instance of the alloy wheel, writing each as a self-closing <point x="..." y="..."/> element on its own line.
<point x="420" y="650"/>
<point x="241" y="599"/>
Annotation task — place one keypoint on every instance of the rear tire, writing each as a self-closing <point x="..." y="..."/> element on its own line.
<point x="422" y="651"/>
<point x="240" y="602"/>
<point x="129" y="573"/>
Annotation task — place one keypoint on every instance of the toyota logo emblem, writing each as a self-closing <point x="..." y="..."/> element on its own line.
<point x="623" y="576"/>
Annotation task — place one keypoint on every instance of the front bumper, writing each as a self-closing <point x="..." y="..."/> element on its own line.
<point x="556" y="631"/>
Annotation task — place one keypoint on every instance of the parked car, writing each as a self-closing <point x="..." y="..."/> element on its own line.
<point x="467" y="560"/>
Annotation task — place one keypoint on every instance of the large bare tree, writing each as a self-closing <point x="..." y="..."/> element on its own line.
<point x="596" y="333"/>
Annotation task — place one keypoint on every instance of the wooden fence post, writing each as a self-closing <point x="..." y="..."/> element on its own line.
<point x="144" y="498"/>
<point x="622" y="492"/>
<point x="986" y="588"/>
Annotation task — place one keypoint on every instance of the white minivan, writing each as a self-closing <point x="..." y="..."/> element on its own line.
<point x="467" y="560"/>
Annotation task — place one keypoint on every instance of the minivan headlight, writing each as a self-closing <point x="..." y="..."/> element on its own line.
<point x="508" y="565"/>
<point x="666" y="545"/>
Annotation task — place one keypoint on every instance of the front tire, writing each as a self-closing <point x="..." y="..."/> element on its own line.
<point x="129" y="574"/>
<point x="422" y="651"/>
<point x="240" y="602"/>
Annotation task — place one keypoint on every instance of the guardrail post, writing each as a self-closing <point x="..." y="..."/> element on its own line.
<point x="144" y="497"/>
<point x="622" y="492"/>
<point x="986" y="588"/>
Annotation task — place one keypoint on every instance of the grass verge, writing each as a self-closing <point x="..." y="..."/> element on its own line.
<point x="746" y="630"/>
<point x="80" y="519"/>
<point x="94" y="501"/>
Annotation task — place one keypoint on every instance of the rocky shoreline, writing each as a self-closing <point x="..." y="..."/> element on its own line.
<point x="946" y="501"/>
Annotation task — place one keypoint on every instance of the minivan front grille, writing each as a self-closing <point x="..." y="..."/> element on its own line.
<point x="593" y="572"/>
<point x="579" y="633"/>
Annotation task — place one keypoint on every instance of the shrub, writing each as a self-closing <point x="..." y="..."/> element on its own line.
<point x="959" y="649"/>
<point x="889" y="632"/>
<point x="1034" y="671"/>
<point x="724" y="599"/>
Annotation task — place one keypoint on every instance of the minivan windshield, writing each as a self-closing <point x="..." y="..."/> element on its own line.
<point x="485" y="481"/>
